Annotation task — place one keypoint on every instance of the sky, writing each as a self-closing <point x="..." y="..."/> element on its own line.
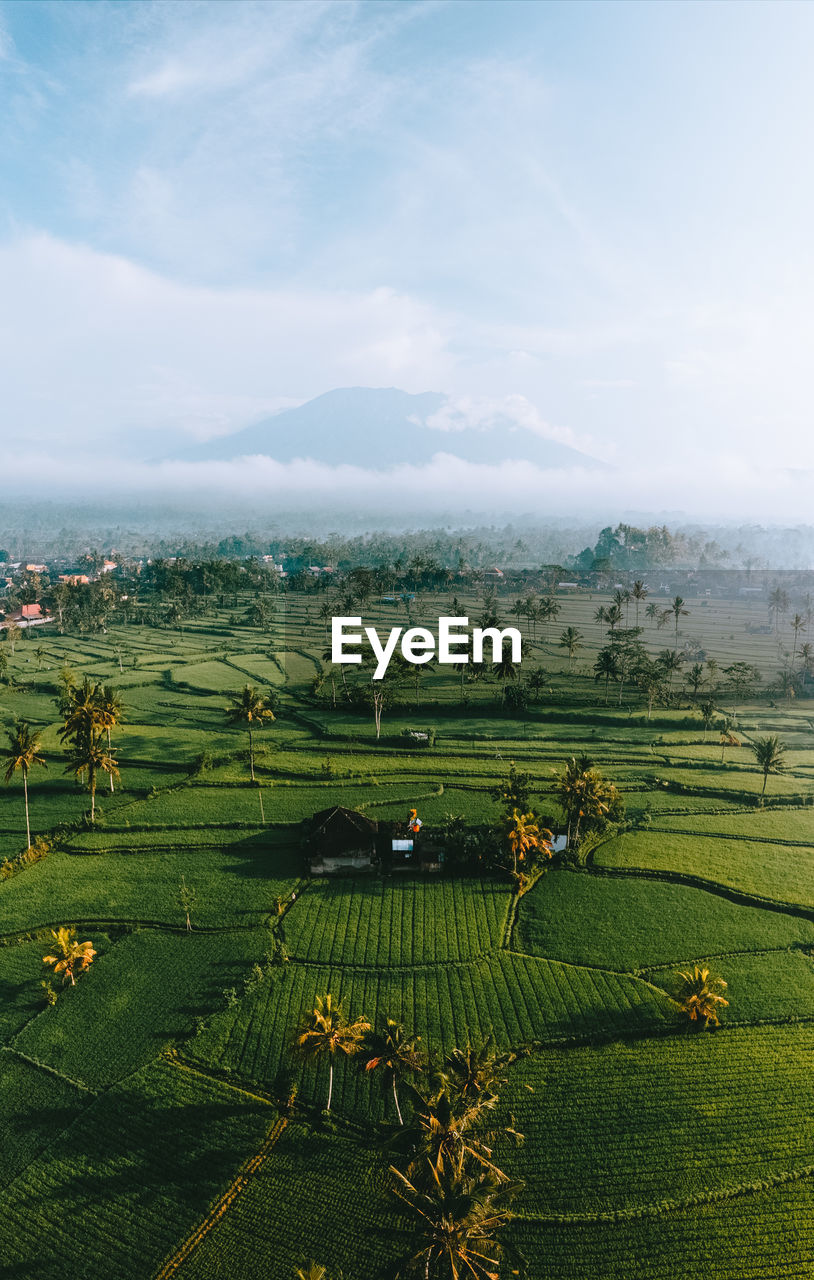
<point x="597" y="215"/>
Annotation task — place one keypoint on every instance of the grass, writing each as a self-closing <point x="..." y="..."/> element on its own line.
<point x="773" y="871"/>
<point x="649" y="1153"/>
<point x="630" y="924"/>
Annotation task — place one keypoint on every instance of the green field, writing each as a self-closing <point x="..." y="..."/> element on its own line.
<point x="130" y="1107"/>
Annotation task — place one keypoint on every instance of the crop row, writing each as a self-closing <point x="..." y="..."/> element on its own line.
<point x="406" y="922"/>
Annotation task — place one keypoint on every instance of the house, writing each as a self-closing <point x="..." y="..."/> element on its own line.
<point x="340" y="840"/>
<point x="36" y="568"/>
<point x="74" y="579"/>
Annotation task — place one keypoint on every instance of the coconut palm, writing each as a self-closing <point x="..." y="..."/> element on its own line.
<point x="394" y="1054"/>
<point x="524" y="837"/>
<point x="447" y="1135"/>
<point x="678" y="611"/>
<point x="639" y="592"/>
<point x="728" y="738"/>
<point x="474" y="1074"/>
<point x="251" y="709"/>
<point x="769" y="753"/>
<point x="584" y="796"/>
<point x="88" y="758"/>
<point x="699" y="996"/>
<point x="652" y="612"/>
<point x="571" y="640"/>
<point x="312" y="1271"/>
<point x="82" y="716"/>
<point x="70" y="955"/>
<point x="606" y="666"/>
<point x="505" y="670"/>
<point x="22" y="752"/>
<point x="797" y="624"/>
<point x="111" y="713"/>
<point x="695" y="678"/>
<point x="707" y="710"/>
<point x="327" y="1032"/>
<point x="457" y="1216"/>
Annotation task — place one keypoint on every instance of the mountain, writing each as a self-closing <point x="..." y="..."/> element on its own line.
<point x="384" y="427"/>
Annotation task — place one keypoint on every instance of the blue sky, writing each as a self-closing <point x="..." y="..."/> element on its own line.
<point x="600" y="212"/>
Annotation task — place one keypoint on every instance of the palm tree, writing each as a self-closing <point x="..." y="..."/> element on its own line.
<point x="69" y="954"/>
<point x="699" y="998"/>
<point x="769" y="753"/>
<point x="728" y="738"/>
<point x="524" y="837"/>
<point x="474" y="1074"/>
<point x="639" y="593"/>
<point x="457" y="1216"/>
<point x="88" y="757"/>
<point x="707" y="710"/>
<point x="606" y="667"/>
<point x="312" y="1271"/>
<point x="448" y="1135"/>
<point x="253" y="710"/>
<point x="111" y="713"/>
<point x="394" y="1054"/>
<point x="798" y="623"/>
<point x="505" y="670"/>
<point x="571" y="639"/>
<point x="695" y="678"/>
<point x="678" y="611"/>
<point x="22" y="752"/>
<point x="328" y="1032"/>
<point x="652" y="612"/>
<point x="81" y="711"/>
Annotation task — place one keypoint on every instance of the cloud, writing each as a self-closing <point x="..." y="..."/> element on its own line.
<point x="94" y="346"/>
<point x="730" y="489"/>
<point x="501" y="413"/>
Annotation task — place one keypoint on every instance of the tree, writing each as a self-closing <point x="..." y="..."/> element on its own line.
<point x="639" y="593"/>
<point x="475" y="1074"/>
<point x="457" y="1215"/>
<point x="606" y="666"/>
<point x="695" y="678"/>
<point x="505" y="670"/>
<point x="328" y="1032"/>
<point x="707" y="710"/>
<point x="395" y="1055"/>
<point x="111" y="713"/>
<point x="678" y="611"/>
<point x="525" y="839"/>
<point x="22" y="752"/>
<point x="69" y="954"/>
<point x="87" y="757"/>
<point x="12" y="635"/>
<point x="699" y="996"/>
<point x="513" y="792"/>
<point x="586" y="798"/>
<point x="742" y="677"/>
<point x="253" y="710"/>
<point x="769" y="753"/>
<point x="447" y="1135"/>
<point x="571" y="640"/>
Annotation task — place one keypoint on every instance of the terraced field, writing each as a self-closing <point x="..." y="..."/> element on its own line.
<point x="143" y="1110"/>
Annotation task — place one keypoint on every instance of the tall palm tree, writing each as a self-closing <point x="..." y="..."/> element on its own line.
<point x="571" y="639"/>
<point x="699" y="996"/>
<point x="253" y="710"/>
<point x="22" y="752"/>
<point x="769" y="753"/>
<point x="88" y="757"/>
<point x="639" y="592"/>
<point x="111" y="713"/>
<point x="652" y="612"/>
<point x="395" y="1055"/>
<point x="327" y="1032"/>
<point x="798" y="624"/>
<point x="457" y="1217"/>
<point x="678" y="611"/>
<point x="69" y="954"/>
<point x="606" y="667"/>
<point x="505" y="670"/>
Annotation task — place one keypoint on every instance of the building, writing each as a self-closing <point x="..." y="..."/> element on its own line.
<point x="340" y="840"/>
<point x="74" y="579"/>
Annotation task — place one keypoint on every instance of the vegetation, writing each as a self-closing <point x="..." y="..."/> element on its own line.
<point x="498" y="1000"/>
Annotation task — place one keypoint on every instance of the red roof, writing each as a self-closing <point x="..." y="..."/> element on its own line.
<point x="31" y="611"/>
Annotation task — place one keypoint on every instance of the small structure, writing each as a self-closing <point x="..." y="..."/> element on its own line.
<point x="339" y="840"/>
